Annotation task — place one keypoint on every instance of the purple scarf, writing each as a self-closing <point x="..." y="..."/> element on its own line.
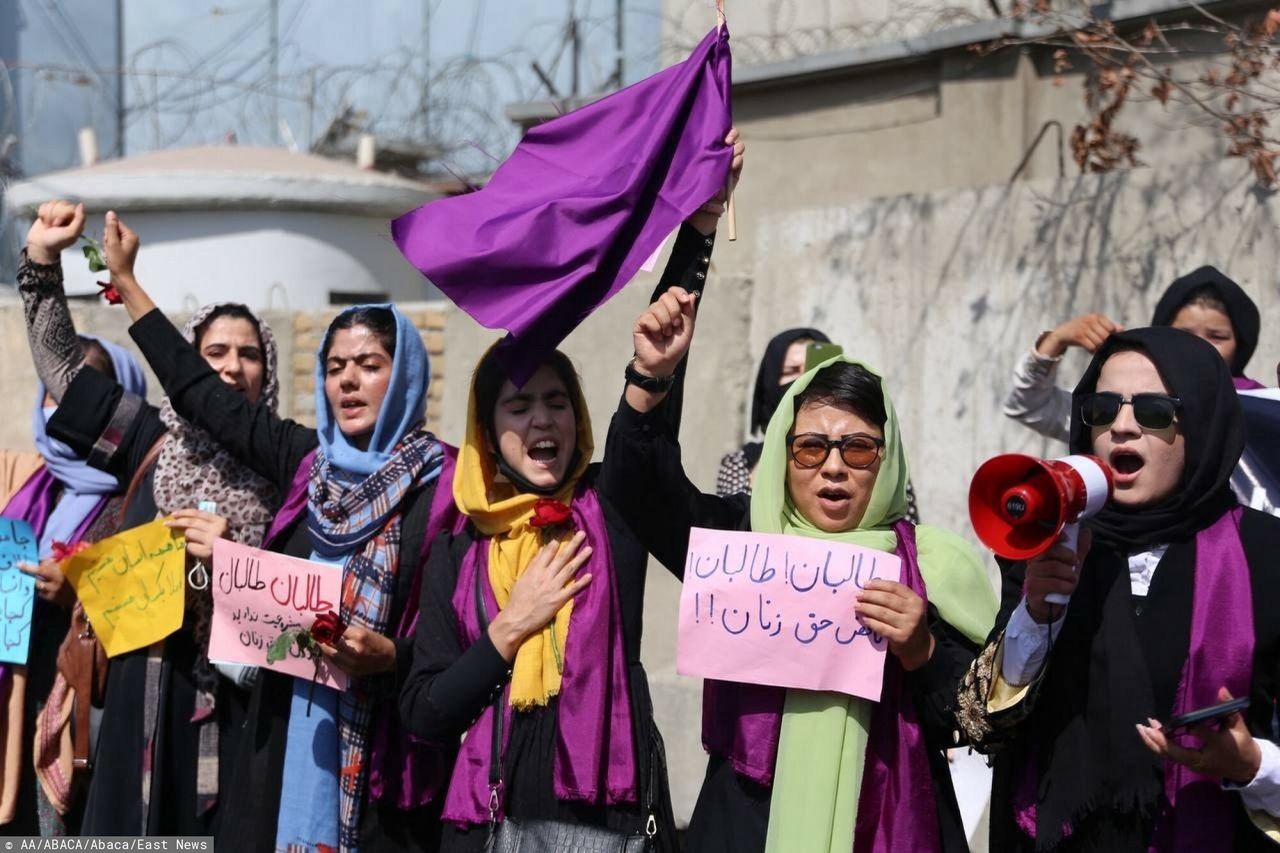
<point x="403" y="769"/>
<point x="1244" y="383"/>
<point x="35" y="501"/>
<point x="595" y="752"/>
<point x="1197" y="814"/>
<point x="742" y="722"/>
<point x="897" y="787"/>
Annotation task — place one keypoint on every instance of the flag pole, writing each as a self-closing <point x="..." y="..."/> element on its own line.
<point x="728" y="187"/>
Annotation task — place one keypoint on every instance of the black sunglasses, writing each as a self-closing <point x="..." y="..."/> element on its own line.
<point x="811" y="449"/>
<point x="1151" y="411"/>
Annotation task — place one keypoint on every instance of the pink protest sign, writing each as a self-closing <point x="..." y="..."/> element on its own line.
<point x="257" y="596"/>
<point x="765" y="608"/>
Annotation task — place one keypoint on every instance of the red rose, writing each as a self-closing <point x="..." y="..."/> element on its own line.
<point x="550" y="513"/>
<point x="62" y="551"/>
<point x="328" y="628"/>
<point x="110" y="293"/>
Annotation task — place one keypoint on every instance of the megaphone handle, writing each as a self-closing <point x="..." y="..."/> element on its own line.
<point x="1071" y="538"/>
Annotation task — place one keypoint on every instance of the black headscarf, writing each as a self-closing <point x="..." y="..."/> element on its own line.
<point x="1243" y="314"/>
<point x="1211" y="422"/>
<point x="768" y="393"/>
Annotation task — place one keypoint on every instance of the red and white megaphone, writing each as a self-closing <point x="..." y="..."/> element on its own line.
<point x="1019" y="504"/>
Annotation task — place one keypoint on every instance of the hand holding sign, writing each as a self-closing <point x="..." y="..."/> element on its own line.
<point x="895" y="612"/>
<point x="131" y="586"/>
<point x="17" y="590"/>
<point x="765" y="608"/>
<point x="50" y="582"/>
<point x="258" y="597"/>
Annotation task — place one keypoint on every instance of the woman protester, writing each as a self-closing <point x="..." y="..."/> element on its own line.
<point x="786" y="766"/>
<point x="1205" y="303"/>
<point x="782" y="364"/>
<point x="528" y="642"/>
<point x="66" y="502"/>
<point x="320" y="769"/>
<point x="1172" y="608"/>
<point x="170" y="720"/>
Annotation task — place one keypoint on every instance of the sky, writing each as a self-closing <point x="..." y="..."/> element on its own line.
<point x="200" y="72"/>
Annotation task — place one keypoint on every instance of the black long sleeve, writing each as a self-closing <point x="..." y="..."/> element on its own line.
<point x="448" y="686"/>
<point x="643" y="476"/>
<point x="687" y="267"/>
<point x="270" y="445"/>
<point x="934" y="685"/>
<point x="102" y="423"/>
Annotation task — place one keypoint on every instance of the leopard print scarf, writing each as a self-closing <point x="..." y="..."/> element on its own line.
<point x="192" y="467"/>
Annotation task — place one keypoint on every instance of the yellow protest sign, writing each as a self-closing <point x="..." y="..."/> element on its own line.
<point x="132" y="586"/>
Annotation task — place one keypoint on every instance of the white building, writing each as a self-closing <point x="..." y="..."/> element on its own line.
<point x="262" y="226"/>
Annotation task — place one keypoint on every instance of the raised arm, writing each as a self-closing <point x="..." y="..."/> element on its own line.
<point x="642" y="474"/>
<point x="253" y="433"/>
<point x="1035" y="400"/>
<point x="51" y="334"/>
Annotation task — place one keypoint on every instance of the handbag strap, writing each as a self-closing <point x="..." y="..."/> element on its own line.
<point x="140" y="473"/>
<point x="82" y="647"/>
<point x="495" y="753"/>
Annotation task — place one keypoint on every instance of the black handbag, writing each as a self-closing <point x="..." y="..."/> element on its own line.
<point x="553" y="836"/>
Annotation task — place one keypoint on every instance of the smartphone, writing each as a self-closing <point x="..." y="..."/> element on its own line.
<point x="816" y="353"/>
<point x="208" y="506"/>
<point x="1204" y="715"/>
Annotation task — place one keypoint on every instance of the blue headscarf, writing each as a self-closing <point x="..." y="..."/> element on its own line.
<point x="353" y="495"/>
<point x="402" y="408"/>
<point x="83" y="487"/>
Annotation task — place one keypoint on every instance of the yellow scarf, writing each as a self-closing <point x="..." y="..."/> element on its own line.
<point x="501" y="512"/>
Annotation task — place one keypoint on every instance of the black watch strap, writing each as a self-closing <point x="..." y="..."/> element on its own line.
<point x="653" y="384"/>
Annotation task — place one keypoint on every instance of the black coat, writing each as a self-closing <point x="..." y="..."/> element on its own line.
<point x="661" y="505"/>
<point x="275" y="448"/>
<point x="1162" y="623"/>
<point x="91" y="406"/>
<point x="449" y="686"/>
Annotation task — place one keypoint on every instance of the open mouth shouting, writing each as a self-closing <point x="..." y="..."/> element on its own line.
<point x="1127" y="463"/>
<point x="545" y="453"/>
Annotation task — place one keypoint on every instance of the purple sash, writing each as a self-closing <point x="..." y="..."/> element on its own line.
<point x="897" y="787"/>
<point x="595" y="751"/>
<point x="34" y="503"/>
<point x="742" y="723"/>
<point x="1197" y="813"/>
<point x="403" y="769"/>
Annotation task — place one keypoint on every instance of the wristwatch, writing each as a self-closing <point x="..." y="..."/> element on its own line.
<point x="653" y="384"/>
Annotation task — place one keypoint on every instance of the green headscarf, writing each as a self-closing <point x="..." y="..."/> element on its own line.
<point x="823" y="744"/>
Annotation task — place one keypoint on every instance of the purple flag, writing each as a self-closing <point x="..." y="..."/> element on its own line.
<point x="579" y="206"/>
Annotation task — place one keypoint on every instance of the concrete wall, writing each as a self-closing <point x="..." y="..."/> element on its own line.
<point x="774" y="30"/>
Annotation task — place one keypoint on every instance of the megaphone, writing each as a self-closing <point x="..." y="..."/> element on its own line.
<point x="1019" y="504"/>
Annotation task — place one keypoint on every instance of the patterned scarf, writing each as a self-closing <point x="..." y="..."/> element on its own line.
<point x="192" y="467"/>
<point x="354" y="520"/>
